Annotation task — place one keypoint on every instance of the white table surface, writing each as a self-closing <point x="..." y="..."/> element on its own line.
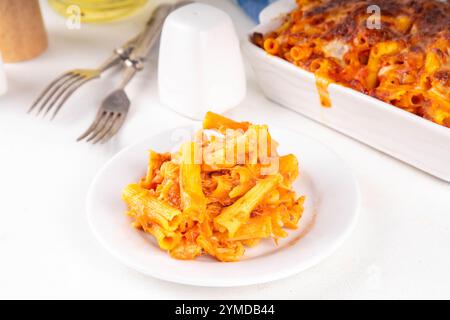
<point x="400" y="248"/>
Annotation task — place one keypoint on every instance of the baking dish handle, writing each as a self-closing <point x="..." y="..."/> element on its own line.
<point x="276" y="9"/>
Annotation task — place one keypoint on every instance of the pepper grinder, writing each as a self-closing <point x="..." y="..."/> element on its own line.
<point x="3" y="84"/>
<point x="22" y="32"/>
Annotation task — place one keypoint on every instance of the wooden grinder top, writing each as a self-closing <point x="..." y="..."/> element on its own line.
<point x="22" y="31"/>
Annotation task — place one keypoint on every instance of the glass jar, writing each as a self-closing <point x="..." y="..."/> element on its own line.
<point x="97" y="10"/>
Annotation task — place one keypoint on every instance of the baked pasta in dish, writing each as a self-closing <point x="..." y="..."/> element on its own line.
<point x="400" y="56"/>
<point x="222" y="191"/>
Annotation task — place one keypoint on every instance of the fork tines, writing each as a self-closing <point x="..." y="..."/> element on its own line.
<point x="57" y="92"/>
<point x="104" y="127"/>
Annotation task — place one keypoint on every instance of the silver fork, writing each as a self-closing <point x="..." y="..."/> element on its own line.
<point x="58" y="91"/>
<point x="110" y="116"/>
<point x="114" y="109"/>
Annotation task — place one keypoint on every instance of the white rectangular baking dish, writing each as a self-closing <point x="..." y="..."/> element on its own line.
<point x="405" y="136"/>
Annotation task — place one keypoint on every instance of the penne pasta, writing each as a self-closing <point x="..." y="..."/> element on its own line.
<point x="167" y="240"/>
<point x="220" y="123"/>
<point x="193" y="200"/>
<point x="394" y="55"/>
<point x="234" y="216"/>
<point x="154" y="163"/>
<point x="215" y="195"/>
<point x="146" y="206"/>
<point x="255" y="228"/>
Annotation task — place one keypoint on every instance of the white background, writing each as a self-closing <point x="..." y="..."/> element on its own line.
<point x="400" y="248"/>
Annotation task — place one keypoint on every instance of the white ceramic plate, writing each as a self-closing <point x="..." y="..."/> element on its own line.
<point x="331" y="208"/>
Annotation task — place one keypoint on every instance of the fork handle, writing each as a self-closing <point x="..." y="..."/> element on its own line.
<point x="127" y="76"/>
<point x="146" y="40"/>
<point x="149" y="37"/>
<point x="135" y="50"/>
<point x="115" y="59"/>
<point x="120" y="54"/>
<point x="144" y="43"/>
